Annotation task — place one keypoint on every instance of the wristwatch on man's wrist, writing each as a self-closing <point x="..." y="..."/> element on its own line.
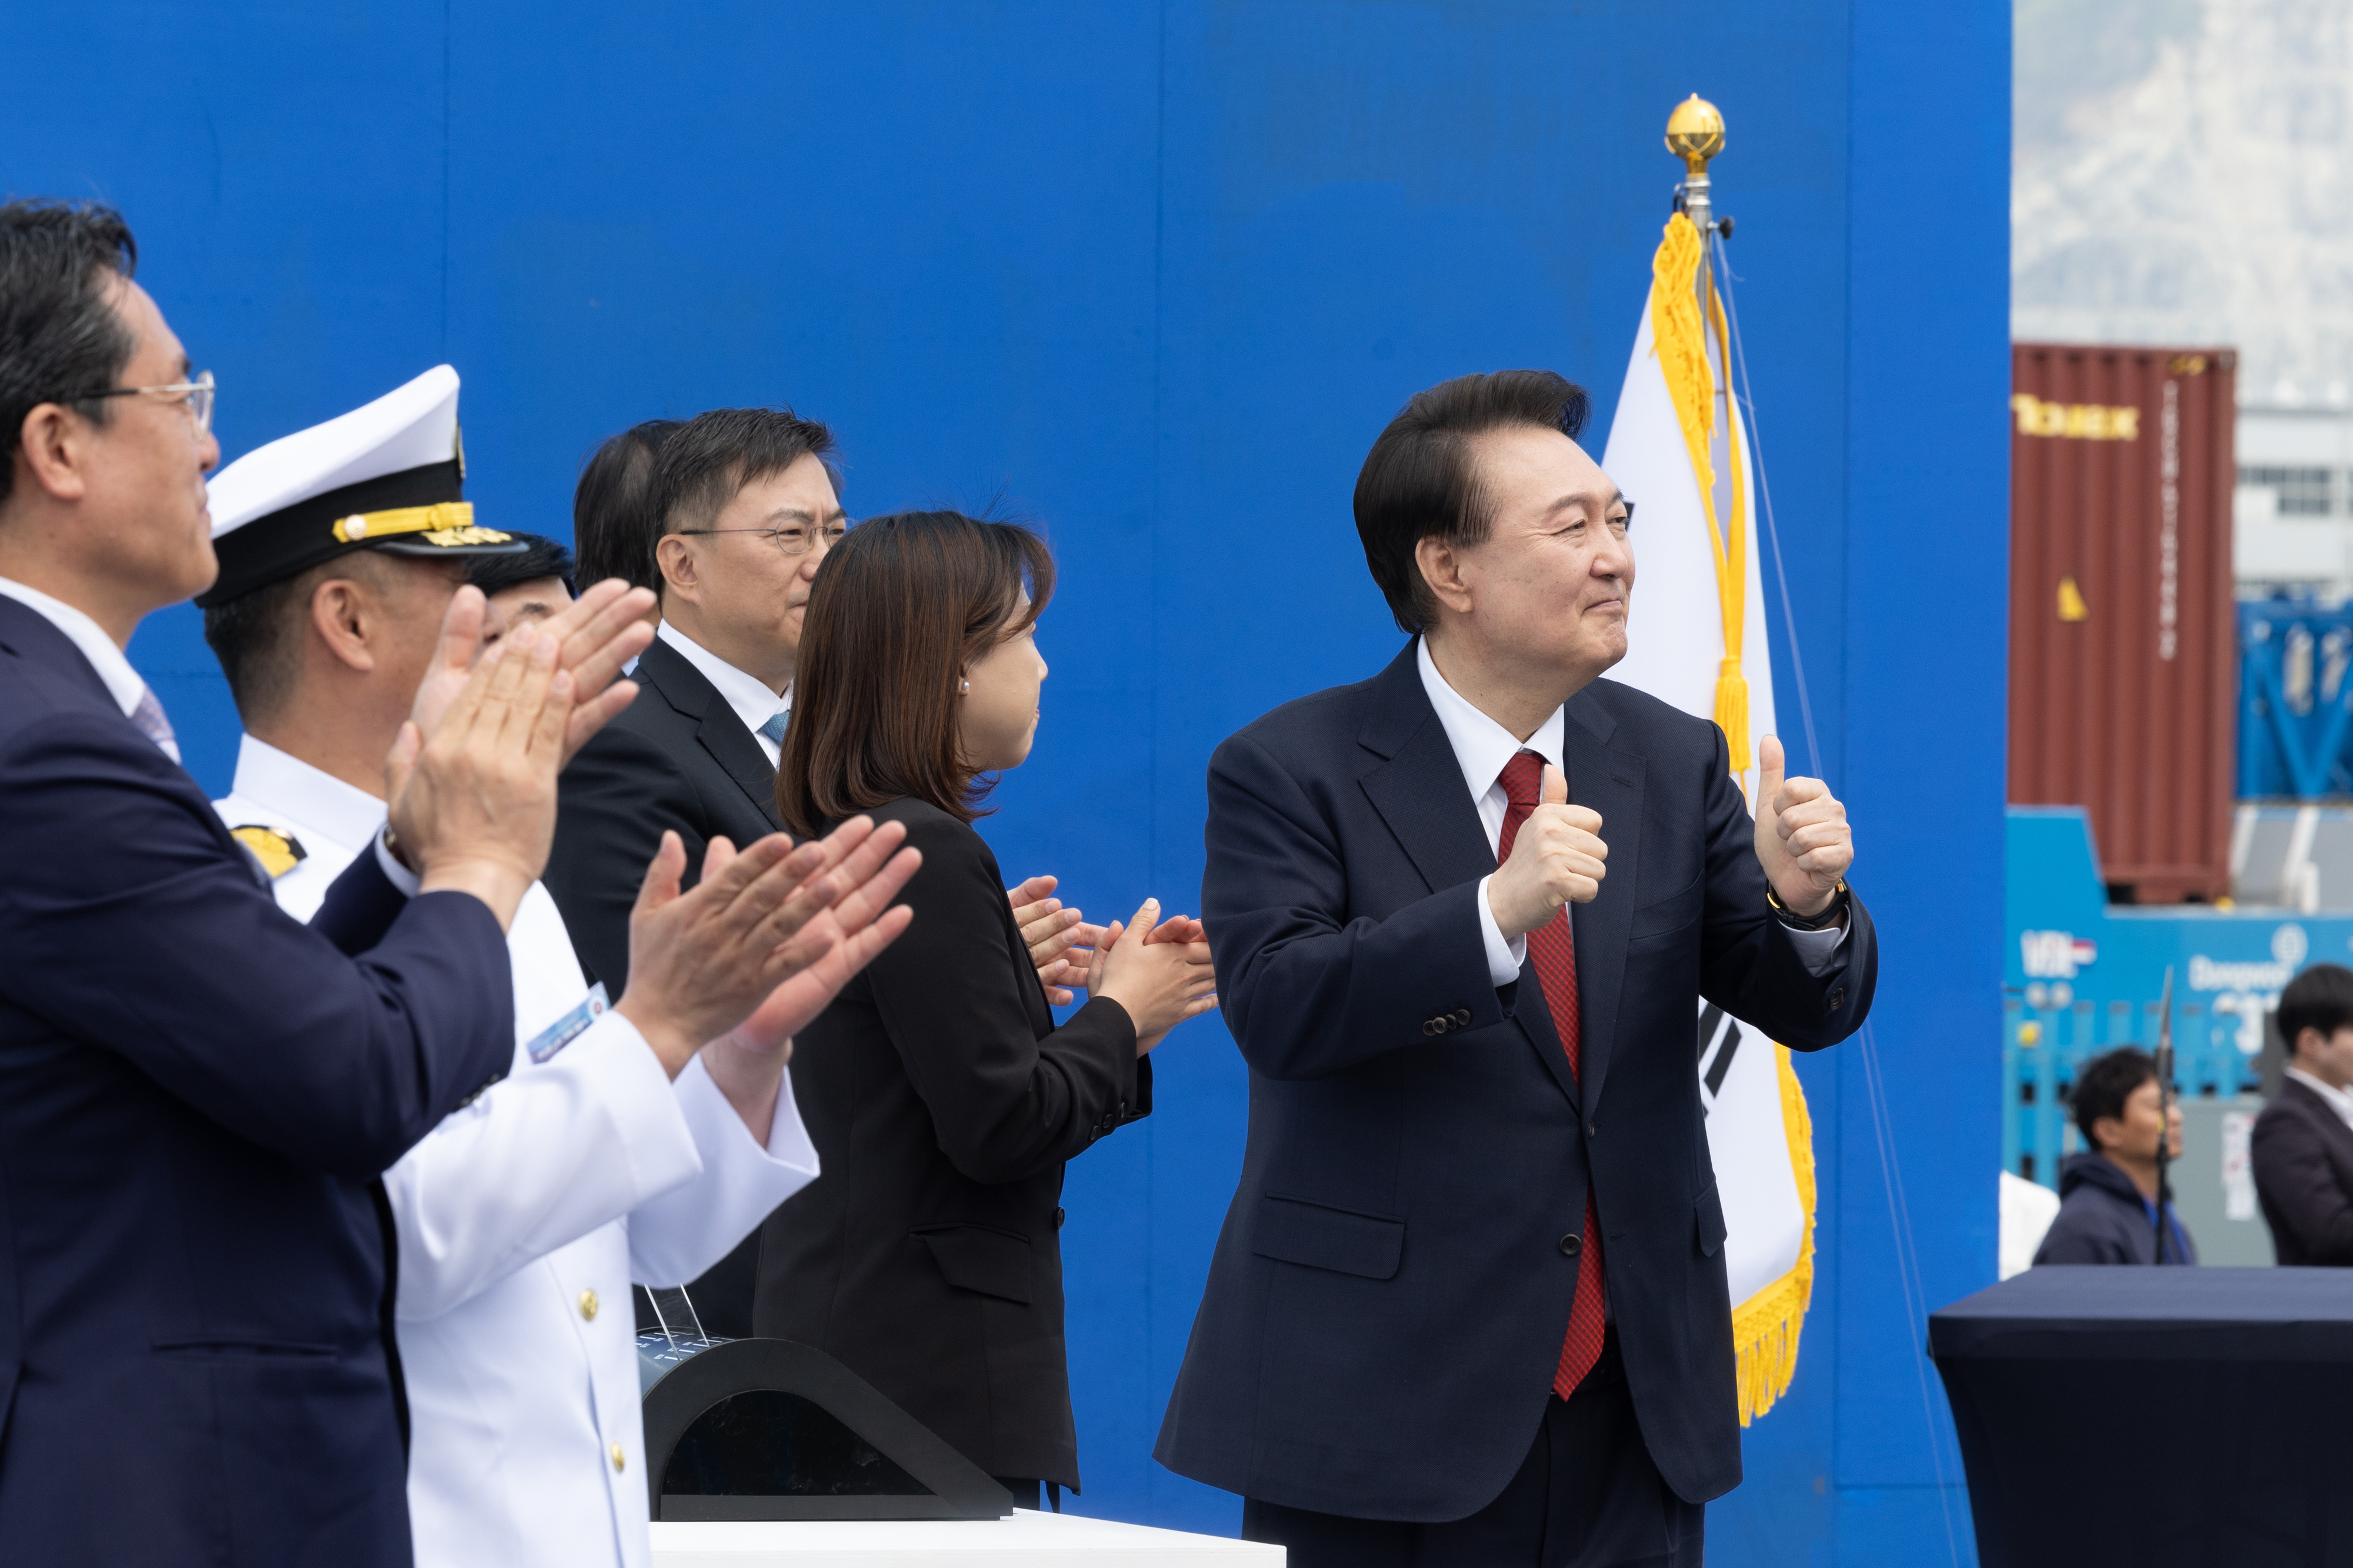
<point x="1833" y="913"/>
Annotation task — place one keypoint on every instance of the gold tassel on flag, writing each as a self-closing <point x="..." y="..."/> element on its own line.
<point x="1764" y="1328"/>
<point x="1680" y="334"/>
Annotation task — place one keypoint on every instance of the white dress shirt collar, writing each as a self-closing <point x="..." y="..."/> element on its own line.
<point x="2336" y="1099"/>
<point x="292" y="788"/>
<point x="122" y="682"/>
<point x="748" y="695"/>
<point x="1481" y="745"/>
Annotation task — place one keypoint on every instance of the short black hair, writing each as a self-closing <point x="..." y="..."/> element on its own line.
<point x="2104" y="1083"/>
<point x="254" y="636"/>
<point x="2320" y="998"/>
<point x="708" y="460"/>
<point x="544" y="558"/>
<point x="1417" y="479"/>
<point x="613" y="521"/>
<point x="60" y="336"/>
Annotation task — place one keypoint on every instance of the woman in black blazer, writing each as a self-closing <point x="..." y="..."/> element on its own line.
<point x="942" y="1098"/>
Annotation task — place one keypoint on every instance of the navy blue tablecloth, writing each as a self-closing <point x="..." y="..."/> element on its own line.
<point x="2156" y="1418"/>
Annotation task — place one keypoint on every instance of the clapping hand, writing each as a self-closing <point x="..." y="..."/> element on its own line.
<point x="1160" y="972"/>
<point x="472" y="805"/>
<point x="595" y="637"/>
<point x="701" y="963"/>
<point x="1060" y="939"/>
<point x="1803" y="840"/>
<point x="1062" y="945"/>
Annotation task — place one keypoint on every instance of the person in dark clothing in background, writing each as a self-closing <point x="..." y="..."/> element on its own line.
<point x="2303" y="1140"/>
<point x="612" y="524"/>
<point x="2108" y="1208"/>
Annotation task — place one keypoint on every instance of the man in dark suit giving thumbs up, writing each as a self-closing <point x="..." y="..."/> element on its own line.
<point x="1469" y="1305"/>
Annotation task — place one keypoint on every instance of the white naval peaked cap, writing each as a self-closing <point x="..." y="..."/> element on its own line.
<point x="387" y="476"/>
<point x="408" y="428"/>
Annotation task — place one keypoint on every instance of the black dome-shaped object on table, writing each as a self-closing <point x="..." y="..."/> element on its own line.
<point x="769" y="1429"/>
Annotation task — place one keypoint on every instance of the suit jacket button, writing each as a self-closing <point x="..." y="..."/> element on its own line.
<point x="1058" y="1218"/>
<point x="621" y="1460"/>
<point x="1429" y="1026"/>
<point x="589" y="1305"/>
<point x="1462" y="1019"/>
<point x="1837" y="999"/>
<point x="1592" y="1129"/>
<point x="1570" y="1246"/>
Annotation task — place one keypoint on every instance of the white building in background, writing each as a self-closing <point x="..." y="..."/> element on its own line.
<point x="2292" y="523"/>
<point x="2183" y="174"/>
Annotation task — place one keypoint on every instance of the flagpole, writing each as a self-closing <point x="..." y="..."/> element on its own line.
<point x="1695" y="135"/>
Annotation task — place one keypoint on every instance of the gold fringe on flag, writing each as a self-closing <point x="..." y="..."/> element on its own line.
<point x="1679" y="336"/>
<point x="1764" y="1327"/>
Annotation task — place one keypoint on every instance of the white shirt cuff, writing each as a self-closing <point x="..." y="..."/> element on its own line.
<point x="399" y="876"/>
<point x="1503" y="958"/>
<point x="713" y="1117"/>
<point x="1818" y="950"/>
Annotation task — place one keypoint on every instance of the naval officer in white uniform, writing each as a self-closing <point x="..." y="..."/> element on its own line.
<point x="523" y="1217"/>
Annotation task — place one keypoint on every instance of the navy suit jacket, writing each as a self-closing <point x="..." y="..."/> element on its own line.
<point x="1388" y="1295"/>
<point x="195" y="1094"/>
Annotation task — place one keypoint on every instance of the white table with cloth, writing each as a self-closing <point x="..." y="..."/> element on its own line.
<point x="1027" y="1540"/>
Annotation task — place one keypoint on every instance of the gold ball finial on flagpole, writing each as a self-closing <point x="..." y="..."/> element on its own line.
<point x="1696" y="133"/>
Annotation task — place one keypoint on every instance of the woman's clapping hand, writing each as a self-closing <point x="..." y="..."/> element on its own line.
<point x="1160" y="972"/>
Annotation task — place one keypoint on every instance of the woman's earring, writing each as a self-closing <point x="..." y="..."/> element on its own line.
<point x="963" y="687"/>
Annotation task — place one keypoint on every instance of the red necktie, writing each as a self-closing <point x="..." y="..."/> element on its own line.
<point x="1554" y="952"/>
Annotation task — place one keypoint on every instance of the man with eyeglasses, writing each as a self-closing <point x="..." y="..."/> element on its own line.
<point x="746" y="502"/>
<point x="197" y="1091"/>
<point x="748" y="509"/>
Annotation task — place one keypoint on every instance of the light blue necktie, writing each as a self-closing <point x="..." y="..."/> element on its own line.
<point x="778" y="722"/>
<point x="149" y="717"/>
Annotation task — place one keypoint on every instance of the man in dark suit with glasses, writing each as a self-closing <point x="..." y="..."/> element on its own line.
<point x="741" y="506"/>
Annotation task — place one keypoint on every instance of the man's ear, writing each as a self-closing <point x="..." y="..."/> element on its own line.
<point x="1442" y="568"/>
<point x="2106" y="1132"/>
<point x="50" y="452"/>
<point x="2306" y="1039"/>
<point x="681" y="568"/>
<point x="344" y="616"/>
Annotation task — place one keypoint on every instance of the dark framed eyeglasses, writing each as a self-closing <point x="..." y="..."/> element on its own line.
<point x="195" y="397"/>
<point x="794" y="539"/>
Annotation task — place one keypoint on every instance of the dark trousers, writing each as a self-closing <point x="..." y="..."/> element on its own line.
<point x="1586" y="1496"/>
<point x="1031" y="1493"/>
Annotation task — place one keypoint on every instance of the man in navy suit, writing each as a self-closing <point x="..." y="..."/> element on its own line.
<point x="1469" y="1305"/>
<point x="196" y="1092"/>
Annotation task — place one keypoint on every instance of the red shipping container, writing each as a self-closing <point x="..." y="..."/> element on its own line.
<point x="2123" y="655"/>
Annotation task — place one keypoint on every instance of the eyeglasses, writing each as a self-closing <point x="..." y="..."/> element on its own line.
<point x="795" y="540"/>
<point x="195" y="397"/>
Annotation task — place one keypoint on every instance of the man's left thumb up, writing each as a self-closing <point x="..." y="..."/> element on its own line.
<point x="1770" y="764"/>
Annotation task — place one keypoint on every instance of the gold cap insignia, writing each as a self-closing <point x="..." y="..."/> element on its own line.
<point x="446" y="537"/>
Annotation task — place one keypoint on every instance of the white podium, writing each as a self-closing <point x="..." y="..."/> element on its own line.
<point x="1025" y="1541"/>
